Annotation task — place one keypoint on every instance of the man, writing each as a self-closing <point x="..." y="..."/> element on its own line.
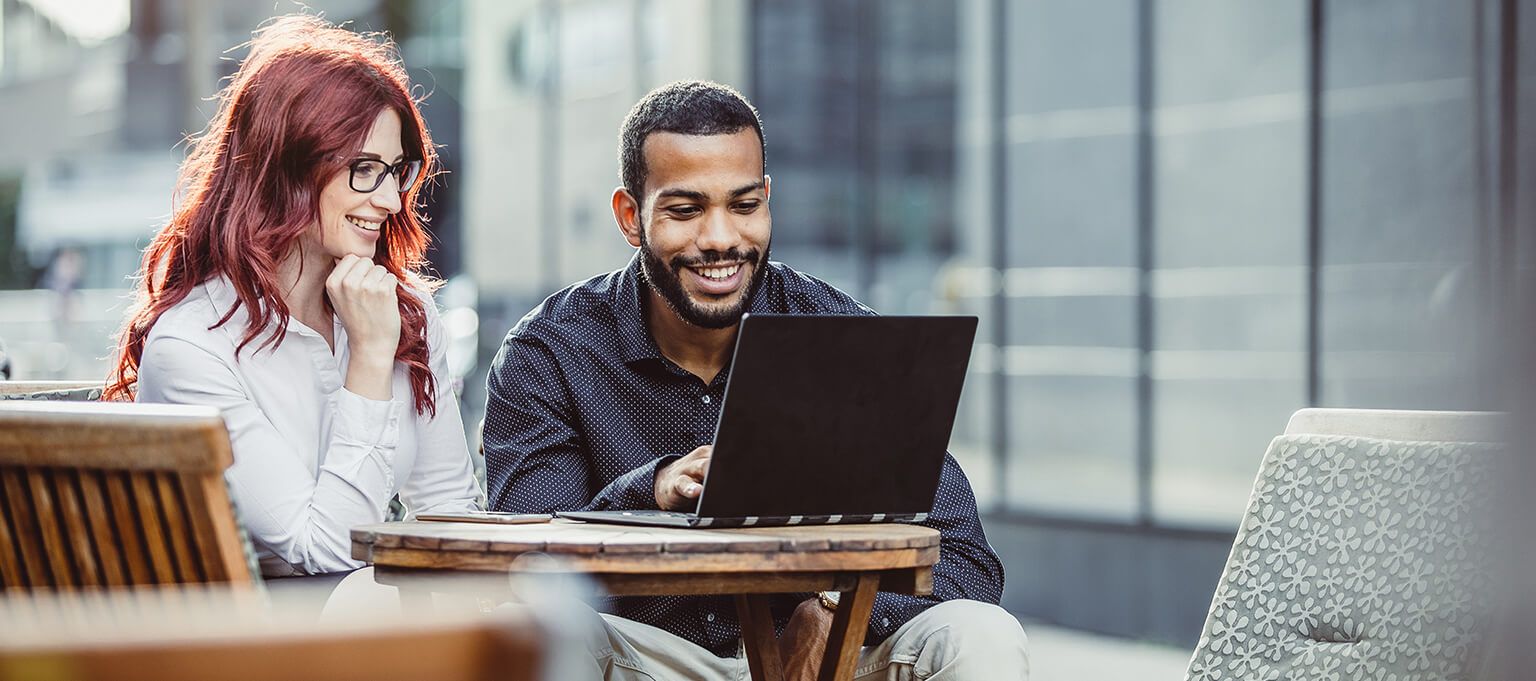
<point x="606" y="395"/>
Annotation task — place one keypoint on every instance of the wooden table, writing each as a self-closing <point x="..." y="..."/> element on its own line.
<point x="748" y="563"/>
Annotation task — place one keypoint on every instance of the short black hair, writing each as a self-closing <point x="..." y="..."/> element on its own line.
<point x="685" y="107"/>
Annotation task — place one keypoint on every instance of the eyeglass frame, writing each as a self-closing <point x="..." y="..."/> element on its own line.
<point x="390" y="170"/>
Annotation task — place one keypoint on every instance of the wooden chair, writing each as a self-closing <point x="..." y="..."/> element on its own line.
<point x="192" y="634"/>
<point x="99" y="494"/>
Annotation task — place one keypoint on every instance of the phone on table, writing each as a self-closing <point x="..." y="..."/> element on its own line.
<point x="494" y="517"/>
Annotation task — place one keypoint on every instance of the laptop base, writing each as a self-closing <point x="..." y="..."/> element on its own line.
<point x="689" y="520"/>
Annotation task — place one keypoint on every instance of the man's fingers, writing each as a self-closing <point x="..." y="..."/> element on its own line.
<point x="687" y="488"/>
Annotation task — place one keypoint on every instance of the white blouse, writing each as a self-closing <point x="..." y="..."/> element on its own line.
<point x="312" y="460"/>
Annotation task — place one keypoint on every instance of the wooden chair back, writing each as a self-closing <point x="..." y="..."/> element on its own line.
<point x="192" y="634"/>
<point x="109" y="494"/>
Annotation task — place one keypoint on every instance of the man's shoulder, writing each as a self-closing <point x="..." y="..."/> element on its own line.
<point x="801" y="293"/>
<point x="568" y="309"/>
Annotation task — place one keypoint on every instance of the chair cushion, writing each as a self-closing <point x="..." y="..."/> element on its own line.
<point x="1354" y="560"/>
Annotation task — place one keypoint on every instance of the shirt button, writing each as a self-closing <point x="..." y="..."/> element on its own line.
<point x="705" y="398"/>
<point x="885" y="621"/>
<point x="710" y="617"/>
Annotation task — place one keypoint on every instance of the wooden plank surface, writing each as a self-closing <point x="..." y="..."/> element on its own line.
<point x="177" y="529"/>
<point x="24" y="528"/>
<point x="657" y="583"/>
<point x="135" y="555"/>
<point x="67" y="491"/>
<point x="671" y="563"/>
<point x="581" y="538"/>
<point x="113" y="435"/>
<point x="142" y="486"/>
<point x="193" y="634"/>
<point x="47" y="515"/>
<point x="12" y="576"/>
<point x="214" y="533"/>
<point x="94" y="496"/>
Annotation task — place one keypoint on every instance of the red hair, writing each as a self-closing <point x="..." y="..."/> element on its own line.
<point x="293" y="116"/>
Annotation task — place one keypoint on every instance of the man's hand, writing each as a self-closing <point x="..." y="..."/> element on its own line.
<point x="804" y="641"/>
<point x="679" y="483"/>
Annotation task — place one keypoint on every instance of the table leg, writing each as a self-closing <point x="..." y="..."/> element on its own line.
<point x="757" y="632"/>
<point x="848" y="628"/>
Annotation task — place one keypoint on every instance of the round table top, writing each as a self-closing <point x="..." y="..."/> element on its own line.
<point x="625" y="548"/>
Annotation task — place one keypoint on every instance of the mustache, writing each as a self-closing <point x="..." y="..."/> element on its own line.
<point x="732" y="254"/>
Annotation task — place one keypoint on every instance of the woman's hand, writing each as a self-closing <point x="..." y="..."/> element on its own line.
<point x="364" y="297"/>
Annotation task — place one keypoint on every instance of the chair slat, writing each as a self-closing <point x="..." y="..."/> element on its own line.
<point x="142" y="485"/>
<point x="135" y="554"/>
<point x="28" y="543"/>
<point x="12" y="575"/>
<point x="176" y="528"/>
<point x="93" y="493"/>
<point x="66" y="485"/>
<point x="213" y="525"/>
<point x="55" y="553"/>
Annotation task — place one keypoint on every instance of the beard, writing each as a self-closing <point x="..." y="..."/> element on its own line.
<point x="664" y="279"/>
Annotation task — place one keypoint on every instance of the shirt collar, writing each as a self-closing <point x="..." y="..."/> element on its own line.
<point x="221" y="292"/>
<point x="635" y="340"/>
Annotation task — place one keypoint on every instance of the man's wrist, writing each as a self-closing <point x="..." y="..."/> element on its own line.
<point x="829" y="599"/>
<point x="657" y="468"/>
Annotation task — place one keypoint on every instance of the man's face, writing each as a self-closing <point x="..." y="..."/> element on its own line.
<point x="704" y="223"/>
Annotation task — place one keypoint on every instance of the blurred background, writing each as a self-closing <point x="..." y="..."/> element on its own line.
<point x="1178" y="220"/>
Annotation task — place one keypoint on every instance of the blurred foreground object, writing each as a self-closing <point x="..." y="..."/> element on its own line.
<point x="115" y="494"/>
<point x="193" y="634"/>
<point x="1362" y="551"/>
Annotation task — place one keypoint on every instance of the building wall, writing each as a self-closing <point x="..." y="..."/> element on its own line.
<point x="1124" y="193"/>
<point x="547" y="86"/>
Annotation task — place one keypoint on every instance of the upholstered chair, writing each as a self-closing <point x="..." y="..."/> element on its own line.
<point x="1358" y="556"/>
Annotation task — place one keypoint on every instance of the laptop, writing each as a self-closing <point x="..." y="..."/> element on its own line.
<point x="828" y="419"/>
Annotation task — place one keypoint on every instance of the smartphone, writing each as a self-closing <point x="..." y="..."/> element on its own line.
<point x="495" y="517"/>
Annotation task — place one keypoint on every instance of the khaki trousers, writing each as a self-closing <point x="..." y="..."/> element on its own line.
<point x="953" y="641"/>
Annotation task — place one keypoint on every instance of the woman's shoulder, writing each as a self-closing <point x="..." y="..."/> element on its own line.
<point x="195" y="319"/>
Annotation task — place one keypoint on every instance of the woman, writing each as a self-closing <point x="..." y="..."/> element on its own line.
<point x="286" y="290"/>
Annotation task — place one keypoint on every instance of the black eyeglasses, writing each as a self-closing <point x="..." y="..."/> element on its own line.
<point x="368" y="173"/>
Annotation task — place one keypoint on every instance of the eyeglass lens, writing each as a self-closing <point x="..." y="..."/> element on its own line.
<point x="367" y="174"/>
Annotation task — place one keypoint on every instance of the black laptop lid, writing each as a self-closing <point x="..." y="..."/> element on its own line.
<point x="837" y="415"/>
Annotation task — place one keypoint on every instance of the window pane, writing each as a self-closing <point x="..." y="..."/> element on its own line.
<point x="1399" y="281"/>
<point x="1071" y="282"/>
<point x="1229" y="280"/>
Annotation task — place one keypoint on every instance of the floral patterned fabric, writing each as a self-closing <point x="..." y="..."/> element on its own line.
<point x="1356" y="559"/>
<point x="67" y="395"/>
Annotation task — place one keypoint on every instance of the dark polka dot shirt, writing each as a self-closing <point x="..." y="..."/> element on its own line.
<point x="583" y="409"/>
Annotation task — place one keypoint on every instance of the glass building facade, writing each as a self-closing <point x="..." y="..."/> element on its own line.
<point x="1179" y="222"/>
